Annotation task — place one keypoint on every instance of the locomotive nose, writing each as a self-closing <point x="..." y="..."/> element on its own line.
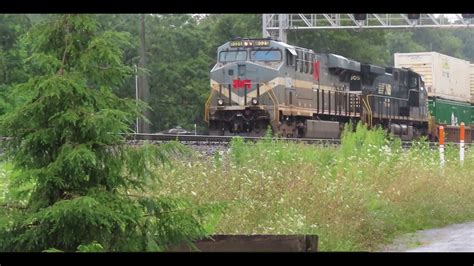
<point x="237" y="70"/>
<point x="242" y="70"/>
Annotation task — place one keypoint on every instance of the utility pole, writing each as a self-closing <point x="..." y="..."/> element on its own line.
<point x="144" y="90"/>
<point x="137" y="125"/>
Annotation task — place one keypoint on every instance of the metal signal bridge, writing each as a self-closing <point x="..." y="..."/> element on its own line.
<point x="276" y="26"/>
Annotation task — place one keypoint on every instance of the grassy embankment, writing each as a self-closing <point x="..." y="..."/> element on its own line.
<point x="355" y="197"/>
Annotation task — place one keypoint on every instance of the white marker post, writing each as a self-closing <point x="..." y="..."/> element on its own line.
<point x="441" y="145"/>
<point x="461" y="144"/>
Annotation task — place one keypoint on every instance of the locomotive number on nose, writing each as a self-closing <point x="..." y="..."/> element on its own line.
<point x="355" y="77"/>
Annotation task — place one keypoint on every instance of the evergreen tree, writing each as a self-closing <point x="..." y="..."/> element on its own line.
<point x="66" y="139"/>
<point x="11" y="69"/>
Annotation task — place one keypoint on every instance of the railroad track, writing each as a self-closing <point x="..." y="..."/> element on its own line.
<point x="212" y="140"/>
<point x="224" y="140"/>
<point x="216" y="140"/>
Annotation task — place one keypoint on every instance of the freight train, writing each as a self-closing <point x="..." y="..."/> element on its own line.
<point x="258" y="84"/>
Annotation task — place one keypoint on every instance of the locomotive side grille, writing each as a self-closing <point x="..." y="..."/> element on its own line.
<point x="354" y="103"/>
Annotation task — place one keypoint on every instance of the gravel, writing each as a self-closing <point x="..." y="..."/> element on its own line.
<point x="453" y="238"/>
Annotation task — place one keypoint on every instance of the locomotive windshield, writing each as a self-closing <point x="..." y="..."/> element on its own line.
<point x="265" y="55"/>
<point x="231" y="56"/>
<point x="414" y="82"/>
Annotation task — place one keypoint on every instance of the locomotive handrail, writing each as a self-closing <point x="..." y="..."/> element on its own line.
<point x="206" y="107"/>
<point x="386" y="97"/>
<point x="371" y="115"/>
<point x="271" y="94"/>
<point x="275" y="105"/>
<point x="368" y="109"/>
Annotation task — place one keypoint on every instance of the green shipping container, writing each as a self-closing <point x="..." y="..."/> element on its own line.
<point x="472" y="116"/>
<point x="450" y="112"/>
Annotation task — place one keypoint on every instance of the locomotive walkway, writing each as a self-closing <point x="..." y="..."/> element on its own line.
<point x="452" y="238"/>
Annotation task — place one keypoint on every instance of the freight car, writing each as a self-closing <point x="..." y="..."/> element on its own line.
<point x="257" y="83"/>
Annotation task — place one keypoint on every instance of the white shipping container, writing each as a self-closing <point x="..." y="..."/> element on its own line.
<point x="445" y="76"/>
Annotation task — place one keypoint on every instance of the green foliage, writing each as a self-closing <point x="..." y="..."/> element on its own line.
<point x="13" y="190"/>
<point x="69" y="150"/>
<point x="238" y="150"/>
<point x="92" y="247"/>
<point x="52" y="250"/>
<point x="174" y="221"/>
<point x="362" y="141"/>
<point x="179" y="80"/>
<point x="11" y="67"/>
<point x="268" y="133"/>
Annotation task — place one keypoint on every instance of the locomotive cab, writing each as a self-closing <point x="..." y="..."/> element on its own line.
<point x="241" y="81"/>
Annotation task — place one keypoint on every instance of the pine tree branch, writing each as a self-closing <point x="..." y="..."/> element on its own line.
<point x="13" y="206"/>
<point x="171" y="211"/>
<point x="61" y="70"/>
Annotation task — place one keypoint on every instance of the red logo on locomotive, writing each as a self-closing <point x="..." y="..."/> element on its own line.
<point x="238" y="83"/>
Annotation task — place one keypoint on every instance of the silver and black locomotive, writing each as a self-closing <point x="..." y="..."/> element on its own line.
<point x="257" y="83"/>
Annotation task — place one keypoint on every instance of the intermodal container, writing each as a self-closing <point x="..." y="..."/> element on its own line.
<point x="447" y="112"/>
<point x="445" y="76"/>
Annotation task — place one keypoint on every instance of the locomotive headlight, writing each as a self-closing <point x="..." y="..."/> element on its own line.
<point x="254" y="101"/>
<point x="220" y="102"/>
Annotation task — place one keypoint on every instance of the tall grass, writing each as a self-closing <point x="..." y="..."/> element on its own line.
<point x="355" y="196"/>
